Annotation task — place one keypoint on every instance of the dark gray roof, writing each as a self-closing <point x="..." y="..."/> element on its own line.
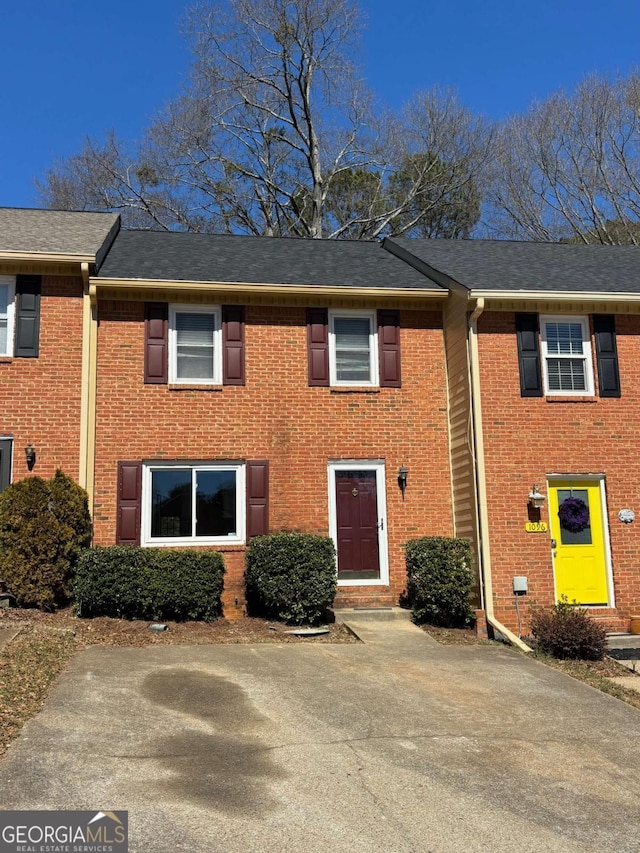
<point x="505" y="265"/>
<point x="55" y="232"/>
<point x="172" y="256"/>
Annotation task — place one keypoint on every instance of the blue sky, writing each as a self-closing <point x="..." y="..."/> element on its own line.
<point x="72" y="68"/>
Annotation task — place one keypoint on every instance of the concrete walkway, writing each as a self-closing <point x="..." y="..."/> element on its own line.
<point x="397" y="744"/>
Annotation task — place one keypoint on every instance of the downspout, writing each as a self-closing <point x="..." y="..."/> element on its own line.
<point x="88" y="397"/>
<point x="486" y="580"/>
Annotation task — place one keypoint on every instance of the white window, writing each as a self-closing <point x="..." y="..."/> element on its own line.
<point x="194" y="504"/>
<point x="195" y="344"/>
<point x="566" y="356"/>
<point x="353" y="348"/>
<point x="7" y="298"/>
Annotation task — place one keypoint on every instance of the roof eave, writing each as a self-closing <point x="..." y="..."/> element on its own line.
<point x="265" y="288"/>
<point x="47" y="257"/>
<point x="552" y="295"/>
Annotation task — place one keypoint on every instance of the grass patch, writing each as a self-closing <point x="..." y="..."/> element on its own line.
<point x="28" y="666"/>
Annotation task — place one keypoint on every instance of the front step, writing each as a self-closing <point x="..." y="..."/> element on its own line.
<point x="370" y="614"/>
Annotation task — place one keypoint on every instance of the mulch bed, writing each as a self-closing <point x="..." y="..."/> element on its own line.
<point x="122" y="632"/>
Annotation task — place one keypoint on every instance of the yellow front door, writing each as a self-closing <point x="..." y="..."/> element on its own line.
<point x="577" y="531"/>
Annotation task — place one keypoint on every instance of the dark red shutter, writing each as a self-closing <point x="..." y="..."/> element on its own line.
<point x="318" y="345"/>
<point x="232" y="345"/>
<point x="389" y="348"/>
<point x="156" y="344"/>
<point x="28" y="289"/>
<point x="529" y="355"/>
<point x="257" y="498"/>
<point x="129" y="503"/>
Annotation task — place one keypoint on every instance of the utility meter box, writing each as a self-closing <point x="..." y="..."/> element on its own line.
<point x="520" y="586"/>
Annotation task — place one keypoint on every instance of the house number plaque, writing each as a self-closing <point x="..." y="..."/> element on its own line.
<point x="536" y="527"/>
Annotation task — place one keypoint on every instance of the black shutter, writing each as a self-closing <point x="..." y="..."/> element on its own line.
<point x="604" y="328"/>
<point x="28" y="289"/>
<point x="257" y="498"/>
<point x="389" y="348"/>
<point x="129" y="503"/>
<point x="156" y="344"/>
<point x="318" y="345"/>
<point x="232" y="345"/>
<point x="529" y="355"/>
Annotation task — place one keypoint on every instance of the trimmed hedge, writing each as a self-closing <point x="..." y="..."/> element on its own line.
<point x="440" y="580"/>
<point x="149" y="583"/>
<point x="567" y="632"/>
<point x="290" y="577"/>
<point x="44" y="527"/>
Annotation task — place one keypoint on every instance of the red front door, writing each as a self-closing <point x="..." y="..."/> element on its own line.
<point x="357" y="525"/>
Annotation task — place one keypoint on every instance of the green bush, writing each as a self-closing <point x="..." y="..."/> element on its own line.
<point x="439" y="580"/>
<point x="567" y="632"/>
<point x="44" y="527"/>
<point x="149" y="583"/>
<point x="290" y="577"/>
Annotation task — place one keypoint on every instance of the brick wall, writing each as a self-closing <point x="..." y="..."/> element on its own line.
<point x="40" y="397"/>
<point x="528" y="438"/>
<point x="277" y="416"/>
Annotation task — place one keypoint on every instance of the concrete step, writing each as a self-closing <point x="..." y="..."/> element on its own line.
<point x="624" y="641"/>
<point x="370" y="614"/>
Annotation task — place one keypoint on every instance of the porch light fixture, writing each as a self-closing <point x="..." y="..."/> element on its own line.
<point x="402" y="479"/>
<point x="536" y="500"/>
<point x="30" y="456"/>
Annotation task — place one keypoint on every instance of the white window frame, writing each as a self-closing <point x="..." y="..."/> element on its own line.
<point x="10" y="281"/>
<point x="371" y="316"/>
<point x="172" y="541"/>
<point x="587" y="357"/>
<point x="215" y="310"/>
<point x="378" y="466"/>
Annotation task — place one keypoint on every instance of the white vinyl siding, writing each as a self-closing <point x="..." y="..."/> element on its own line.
<point x="566" y="356"/>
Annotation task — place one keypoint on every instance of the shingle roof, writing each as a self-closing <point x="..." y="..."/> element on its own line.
<point x="505" y="265"/>
<point x="172" y="256"/>
<point x="54" y="232"/>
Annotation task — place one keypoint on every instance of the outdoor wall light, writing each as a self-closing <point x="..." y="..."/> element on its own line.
<point x="536" y="500"/>
<point x="402" y="480"/>
<point x="30" y="455"/>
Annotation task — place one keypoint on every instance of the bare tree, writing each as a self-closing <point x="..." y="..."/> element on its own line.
<point x="275" y="134"/>
<point x="570" y="167"/>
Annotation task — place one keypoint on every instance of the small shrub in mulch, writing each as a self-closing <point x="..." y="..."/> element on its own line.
<point x="566" y="632"/>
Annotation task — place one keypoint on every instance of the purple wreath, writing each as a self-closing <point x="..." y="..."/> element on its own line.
<point x="573" y="514"/>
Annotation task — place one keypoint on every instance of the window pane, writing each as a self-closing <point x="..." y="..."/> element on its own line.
<point x="353" y="356"/>
<point x="171" y="503"/>
<point x="575" y="537"/>
<point x="195" y="345"/>
<point x="566" y="374"/>
<point x="4" y="299"/>
<point x="216" y="503"/>
<point x="564" y="338"/>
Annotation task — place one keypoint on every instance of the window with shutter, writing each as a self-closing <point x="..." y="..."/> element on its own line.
<point x="353" y="348"/>
<point x="195" y="345"/>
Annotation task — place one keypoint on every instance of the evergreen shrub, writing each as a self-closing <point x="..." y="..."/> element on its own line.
<point x="440" y="580"/>
<point x="149" y="583"/>
<point x="44" y="527"/>
<point x="290" y="577"/>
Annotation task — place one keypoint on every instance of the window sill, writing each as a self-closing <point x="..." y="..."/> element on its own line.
<point x="196" y="387"/>
<point x="355" y="389"/>
<point x="562" y="399"/>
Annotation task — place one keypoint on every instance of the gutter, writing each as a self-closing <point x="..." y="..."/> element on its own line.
<point x="484" y="551"/>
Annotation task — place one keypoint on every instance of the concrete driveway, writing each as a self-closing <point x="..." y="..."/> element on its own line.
<point x="395" y="745"/>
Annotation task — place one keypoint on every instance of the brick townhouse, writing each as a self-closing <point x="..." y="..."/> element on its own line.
<point x="246" y="385"/>
<point x="46" y="258"/>
<point x="553" y="355"/>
